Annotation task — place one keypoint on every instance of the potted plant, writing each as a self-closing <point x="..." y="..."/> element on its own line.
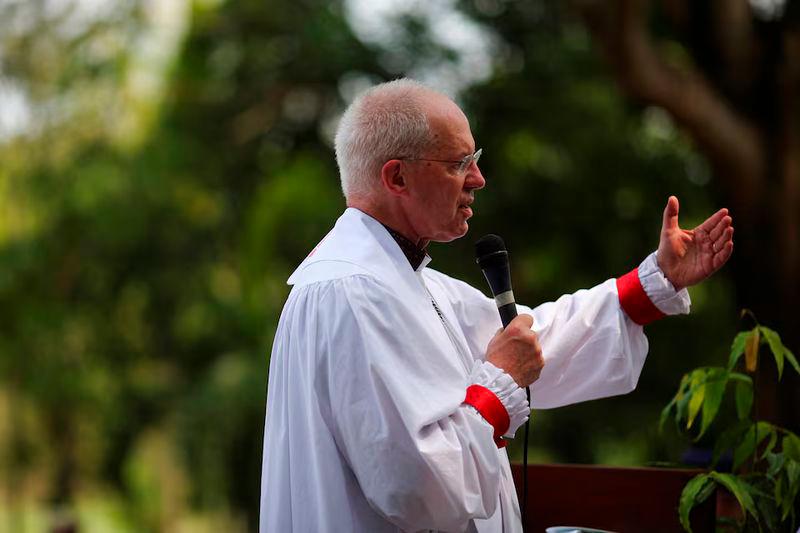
<point x="765" y="476"/>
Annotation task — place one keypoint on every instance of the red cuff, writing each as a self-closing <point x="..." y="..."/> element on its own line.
<point x="491" y="408"/>
<point x="635" y="301"/>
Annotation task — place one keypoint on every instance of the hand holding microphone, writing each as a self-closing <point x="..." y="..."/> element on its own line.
<point x="515" y="349"/>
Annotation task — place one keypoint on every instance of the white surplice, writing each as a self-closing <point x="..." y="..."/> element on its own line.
<point x="365" y="426"/>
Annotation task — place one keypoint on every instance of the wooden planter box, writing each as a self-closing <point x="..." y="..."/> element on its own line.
<point x="613" y="498"/>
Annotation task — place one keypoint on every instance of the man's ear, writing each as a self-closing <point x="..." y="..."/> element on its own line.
<point x="392" y="177"/>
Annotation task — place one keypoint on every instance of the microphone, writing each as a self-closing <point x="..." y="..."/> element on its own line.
<point x="492" y="257"/>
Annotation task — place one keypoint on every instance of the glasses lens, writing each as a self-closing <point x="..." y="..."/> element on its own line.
<point x="469" y="159"/>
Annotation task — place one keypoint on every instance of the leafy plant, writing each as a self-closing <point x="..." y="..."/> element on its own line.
<point x="766" y="458"/>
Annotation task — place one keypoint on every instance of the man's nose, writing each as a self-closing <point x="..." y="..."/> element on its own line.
<point x="475" y="179"/>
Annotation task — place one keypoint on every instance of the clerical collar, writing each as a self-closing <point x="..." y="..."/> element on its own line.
<point x="413" y="253"/>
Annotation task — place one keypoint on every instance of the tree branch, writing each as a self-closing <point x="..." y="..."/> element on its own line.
<point x="735" y="41"/>
<point x="734" y="145"/>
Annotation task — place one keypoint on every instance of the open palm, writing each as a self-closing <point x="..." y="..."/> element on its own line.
<point x="687" y="257"/>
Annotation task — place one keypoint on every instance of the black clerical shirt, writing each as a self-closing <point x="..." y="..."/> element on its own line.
<point x="413" y="253"/>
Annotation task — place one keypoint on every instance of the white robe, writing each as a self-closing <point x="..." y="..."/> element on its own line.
<point x="365" y="425"/>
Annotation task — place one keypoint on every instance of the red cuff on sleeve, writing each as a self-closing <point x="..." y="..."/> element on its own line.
<point x="634" y="300"/>
<point x="491" y="408"/>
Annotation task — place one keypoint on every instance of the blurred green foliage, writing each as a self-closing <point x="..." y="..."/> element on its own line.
<point x="175" y="167"/>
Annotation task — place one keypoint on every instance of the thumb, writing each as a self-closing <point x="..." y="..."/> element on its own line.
<point x="671" y="214"/>
<point x="524" y="320"/>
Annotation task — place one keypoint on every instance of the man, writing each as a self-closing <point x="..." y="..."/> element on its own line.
<point x="390" y="386"/>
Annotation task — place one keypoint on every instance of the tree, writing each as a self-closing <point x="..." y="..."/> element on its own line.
<point x="728" y="73"/>
<point x="143" y="268"/>
<point x="148" y="228"/>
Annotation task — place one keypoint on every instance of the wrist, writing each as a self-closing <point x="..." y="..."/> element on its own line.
<point x="502" y="385"/>
<point x="660" y="290"/>
<point x="660" y="263"/>
<point x="634" y="299"/>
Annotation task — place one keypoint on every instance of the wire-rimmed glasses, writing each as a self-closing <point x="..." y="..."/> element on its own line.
<point x="463" y="163"/>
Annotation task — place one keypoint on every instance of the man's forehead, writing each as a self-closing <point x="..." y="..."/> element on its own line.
<point x="449" y="125"/>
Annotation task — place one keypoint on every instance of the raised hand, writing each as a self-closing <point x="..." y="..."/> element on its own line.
<point x="687" y="257"/>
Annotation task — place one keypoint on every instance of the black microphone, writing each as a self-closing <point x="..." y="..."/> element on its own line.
<point x="492" y="257"/>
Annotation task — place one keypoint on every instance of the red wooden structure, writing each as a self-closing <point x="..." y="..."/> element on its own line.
<point x="612" y="498"/>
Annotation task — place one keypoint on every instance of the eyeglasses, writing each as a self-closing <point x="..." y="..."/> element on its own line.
<point x="463" y="163"/>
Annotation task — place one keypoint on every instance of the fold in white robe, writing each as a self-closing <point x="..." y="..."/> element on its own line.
<point x="365" y="425"/>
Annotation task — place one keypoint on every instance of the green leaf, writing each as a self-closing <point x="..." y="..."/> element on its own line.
<point x="678" y="402"/>
<point x="793" y="472"/>
<point x="740" y="489"/>
<point x="790" y="357"/>
<point x="675" y="403"/>
<point x="754" y="436"/>
<point x="776" y="347"/>
<point x="738" y="376"/>
<point x="776" y="462"/>
<point x="665" y="414"/>
<point x="705" y="493"/>
<point x="690" y="497"/>
<point x="791" y="446"/>
<point x="697" y="392"/>
<point x="773" y="438"/>
<point x="681" y="406"/>
<point x="715" y="389"/>
<point x="737" y="348"/>
<point x="768" y="512"/>
<point x="728" y="439"/>
<point x="744" y="400"/>
<point x="793" y="477"/>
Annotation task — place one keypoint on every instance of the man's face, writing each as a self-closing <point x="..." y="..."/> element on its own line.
<point x="438" y="204"/>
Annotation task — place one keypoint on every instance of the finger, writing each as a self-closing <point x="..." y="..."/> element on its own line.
<point x="713" y="220"/>
<point x="522" y="320"/>
<point x="531" y="338"/>
<point x="722" y="256"/>
<point x="726" y="236"/>
<point x="540" y="362"/>
<point x="537" y="347"/>
<point x="720" y="228"/>
<point x="670" y="220"/>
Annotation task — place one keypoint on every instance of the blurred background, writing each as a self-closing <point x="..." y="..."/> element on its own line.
<point x="164" y="165"/>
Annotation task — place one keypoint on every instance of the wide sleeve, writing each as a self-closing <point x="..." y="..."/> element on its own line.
<point x="423" y="458"/>
<point x="591" y="347"/>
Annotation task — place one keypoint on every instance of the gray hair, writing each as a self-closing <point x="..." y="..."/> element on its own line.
<point x="387" y="121"/>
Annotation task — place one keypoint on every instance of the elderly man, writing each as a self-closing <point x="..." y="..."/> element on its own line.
<point x="390" y="386"/>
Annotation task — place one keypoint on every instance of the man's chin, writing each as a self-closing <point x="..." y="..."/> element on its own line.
<point x="453" y="235"/>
